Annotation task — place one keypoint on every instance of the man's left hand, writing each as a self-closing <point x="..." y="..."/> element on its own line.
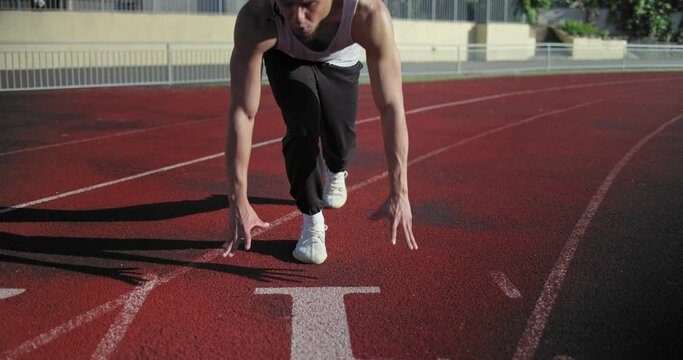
<point x="397" y="210"/>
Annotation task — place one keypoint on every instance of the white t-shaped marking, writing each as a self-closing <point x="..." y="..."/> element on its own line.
<point x="319" y="326"/>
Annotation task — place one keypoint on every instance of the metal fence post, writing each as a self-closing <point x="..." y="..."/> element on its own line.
<point x="169" y="63"/>
<point x="410" y="10"/>
<point x="547" y="57"/>
<point x="488" y="11"/>
<point x="623" y="59"/>
<point x="505" y="12"/>
<point x="459" y="63"/>
<point x="18" y="4"/>
<point x="455" y="10"/>
<point x="102" y="5"/>
<point x="433" y="10"/>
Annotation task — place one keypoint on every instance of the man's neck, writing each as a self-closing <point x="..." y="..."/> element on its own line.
<point x="327" y="29"/>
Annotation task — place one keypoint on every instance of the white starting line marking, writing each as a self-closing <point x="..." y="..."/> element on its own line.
<point x="44" y="338"/>
<point x="527" y="345"/>
<point x="506" y="285"/>
<point x="8" y="293"/>
<point x="320" y="329"/>
<point x="118" y="329"/>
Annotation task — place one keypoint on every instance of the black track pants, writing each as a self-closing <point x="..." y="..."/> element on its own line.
<point x="319" y="103"/>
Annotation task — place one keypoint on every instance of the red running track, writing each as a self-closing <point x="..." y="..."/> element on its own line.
<point x="546" y="210"/>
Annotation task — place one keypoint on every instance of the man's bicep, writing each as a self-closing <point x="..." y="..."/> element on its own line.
<point x="374" y="31"/>
<point x="245" y="80"/>
<point x="385" y="78"/>
<point x="254" y="35"/>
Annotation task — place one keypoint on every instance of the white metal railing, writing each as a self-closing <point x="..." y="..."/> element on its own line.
<point x="434" y="10"/>
<point x="32" y="66"/>
<point x="153" y="6"/>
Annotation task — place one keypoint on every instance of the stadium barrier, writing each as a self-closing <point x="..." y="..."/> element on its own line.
<point x="430" y="10"/>
<point x="36" y="66"/>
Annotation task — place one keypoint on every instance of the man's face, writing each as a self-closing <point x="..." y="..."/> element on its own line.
<point x="304" y="16"/>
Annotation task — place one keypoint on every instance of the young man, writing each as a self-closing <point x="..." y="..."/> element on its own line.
<point x="310" y="49"/>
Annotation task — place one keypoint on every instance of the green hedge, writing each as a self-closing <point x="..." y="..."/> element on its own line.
<point x="581" y="29"/>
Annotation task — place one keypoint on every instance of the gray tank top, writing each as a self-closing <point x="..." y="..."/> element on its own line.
<point x="342" y="51"/>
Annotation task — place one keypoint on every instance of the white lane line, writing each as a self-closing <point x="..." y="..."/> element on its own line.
<point x="506" y="285"/>
<point x="43" y="339"/>
<point x="130" y="132"/>
<point x="123" y="133"/>
<point x="516" y="93"/>
<point x="273" y="141"/>
<point x="108" y="183"/>
<point x="8" y="293"/>
<point x="433" y="107"/>
<point x="118" y="329"/>
<point x="527" y="345"/>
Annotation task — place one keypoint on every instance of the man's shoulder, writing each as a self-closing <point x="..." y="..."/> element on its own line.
<point x="255" y="23"/>
<point x="256" y="9"/>
<point x="368" y="8"/>
<point x="370" y="23"/>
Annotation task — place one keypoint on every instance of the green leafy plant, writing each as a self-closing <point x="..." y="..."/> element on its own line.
<point x="643" y="18"/>
<point x="581" y="29"/>
<point x="530" y="8"/>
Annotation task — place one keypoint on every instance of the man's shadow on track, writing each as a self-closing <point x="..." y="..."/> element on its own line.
<point x="143" y="250"/>
<point x="145" y="212"/>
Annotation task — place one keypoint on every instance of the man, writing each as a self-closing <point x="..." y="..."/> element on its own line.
<point x="310" y="50"/>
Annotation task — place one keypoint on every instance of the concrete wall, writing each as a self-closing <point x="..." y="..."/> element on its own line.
<point x="112" y="39"/>
<point x="417" y="40"/>
<point x="509" y="41"/>
<point x="111" y="26"/>
<point x="433" y="40"/>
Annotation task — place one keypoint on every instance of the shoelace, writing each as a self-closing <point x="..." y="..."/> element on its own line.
<point x="337" y="183"/>
<point x="314" y="234"/>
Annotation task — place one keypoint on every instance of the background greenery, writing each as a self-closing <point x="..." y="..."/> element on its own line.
<point x="639" y="19"/>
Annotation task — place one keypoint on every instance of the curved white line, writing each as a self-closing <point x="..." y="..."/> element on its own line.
<point x="527" y="345"/>
<point x="459" y="102"/>
<point x="123" y="133"/>
<point x="130" y="132"/>
<point x="272" y="141"/>
<point x="70" y="325"/>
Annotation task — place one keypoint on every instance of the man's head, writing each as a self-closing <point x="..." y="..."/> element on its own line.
<point x="304" y="16"/>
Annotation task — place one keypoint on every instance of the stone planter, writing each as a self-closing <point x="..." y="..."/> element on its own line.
<point x="593" y="48"/>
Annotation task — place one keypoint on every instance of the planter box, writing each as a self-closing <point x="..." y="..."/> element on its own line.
<point x="593" y="49"/>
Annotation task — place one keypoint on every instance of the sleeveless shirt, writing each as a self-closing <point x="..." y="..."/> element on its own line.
<point x="342" y="51"/>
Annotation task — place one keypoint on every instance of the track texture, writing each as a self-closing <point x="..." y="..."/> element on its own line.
<point x="113" y="211"/>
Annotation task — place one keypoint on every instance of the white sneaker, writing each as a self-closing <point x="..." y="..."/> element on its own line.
<point x="334" y="195"/>
<point x="311" y="245"/>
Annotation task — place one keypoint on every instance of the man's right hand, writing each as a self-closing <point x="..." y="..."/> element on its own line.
<point x="242" y="219"/>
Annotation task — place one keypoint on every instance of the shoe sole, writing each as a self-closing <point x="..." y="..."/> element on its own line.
<point x="328" y="206"/>
<point x="308" y="261"/>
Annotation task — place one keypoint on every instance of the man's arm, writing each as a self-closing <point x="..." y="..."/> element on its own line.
<point x="373" y="30"/>
<point x="253" y="36"/>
